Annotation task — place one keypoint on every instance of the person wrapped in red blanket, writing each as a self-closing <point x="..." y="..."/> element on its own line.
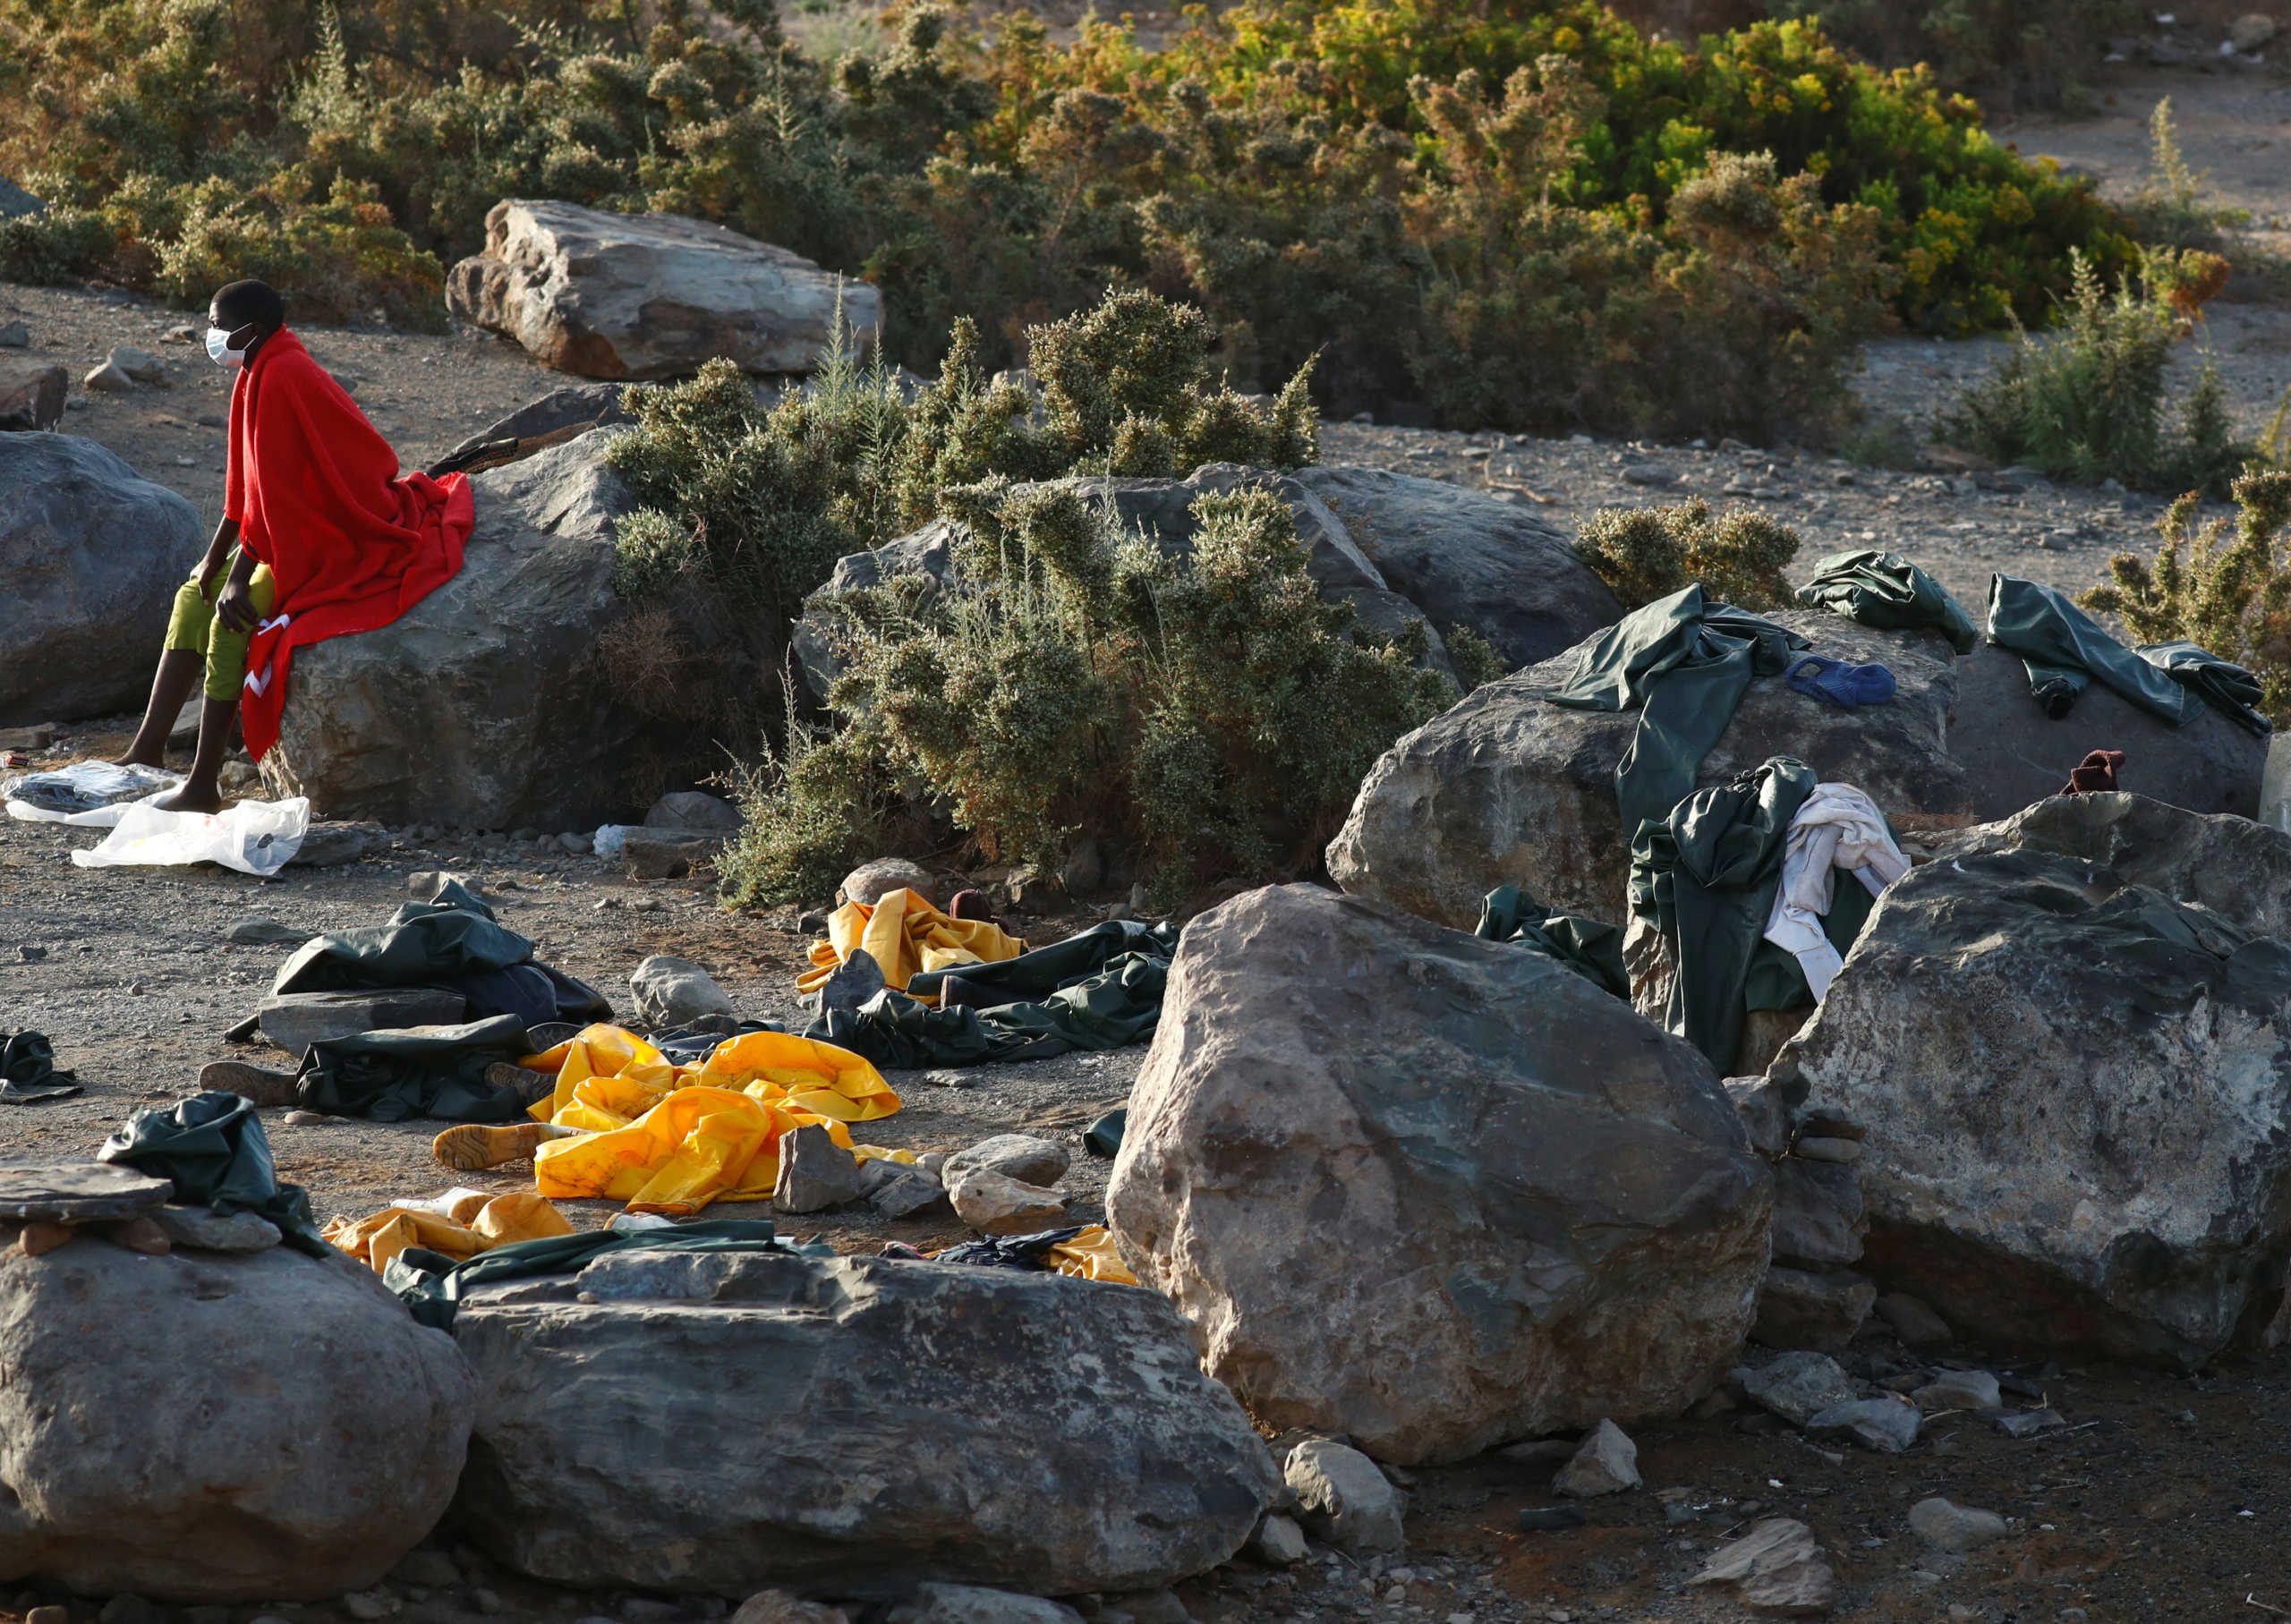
<point x="319" y="538"/>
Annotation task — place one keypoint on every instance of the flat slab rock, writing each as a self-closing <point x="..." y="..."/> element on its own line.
<point x="78" y="1193"/>
<point x="295" y="1021"/>
<point x="850" y="1426"/>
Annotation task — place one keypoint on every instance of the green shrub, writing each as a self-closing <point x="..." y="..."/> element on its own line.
<point x="2009" y="52"/>
<point x="1647" y="553"/>
<point x="2227" y="588"/>
<point x="2088" y="403"/>
<point x="1211" y="715"/>
<point x="1475" y="659"/>
<point x="2170" y="207"/>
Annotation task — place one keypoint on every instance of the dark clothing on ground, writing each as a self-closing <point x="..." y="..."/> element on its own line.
<point x="1886" y="591"/>
<point x="2064" y="648"/>
<point x="1592" y="949"/>
<point x="213" y="1149"/>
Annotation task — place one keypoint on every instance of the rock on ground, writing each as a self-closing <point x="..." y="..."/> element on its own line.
<point x="867" y="883"/>
<point x="1020" y="1156"/>
<point x="1468" y="559"/>
<point x="650" y="295"/>
<point x="1798" y="1386"/>
<point x="849" y="1426"/>
<point x="1344" y="1500"/>
<point x="90" y="557"/>
<point x="975" y="1604"/>
<point x="2078" y="1138"/>
<point x="31" y="397"/>
<point x="1951" y="1527"/>
<point x="1606" y="1462"/>
<point x="994" y="1203"/>
<point x="671" y="991"/>
<point x="1508" y="789"/>
<point x="203" y="1427"/>
<point x="1778" y="1570"/>
<point x="486" y="705"/>
<point x="1431" y="1192"/>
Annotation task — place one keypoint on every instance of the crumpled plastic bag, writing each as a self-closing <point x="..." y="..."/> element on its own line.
<point x="258" y="837"/>
<point x="460" y="1224"/>
<point x="86" y="794"/>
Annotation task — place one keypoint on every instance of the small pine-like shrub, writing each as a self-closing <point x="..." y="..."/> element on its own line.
<point x="1210" y="714"/>
<point x="1647" y="553"/>
<point x="2225" y="587"/>
<point x="2087" y="403"/>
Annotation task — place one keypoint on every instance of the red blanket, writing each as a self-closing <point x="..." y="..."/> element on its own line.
<point x="315" y="491"/>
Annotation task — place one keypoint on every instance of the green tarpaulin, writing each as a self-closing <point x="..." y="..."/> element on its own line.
<point x="212" y="1146"/>
<point x="2220" y="683"/>
<point x="423" y="1071"/>
<point x="1593" y="950"/>
<point x="1705" y="876"/>
<point x="2065" y="650"/>
<point x="1119" y="1004"/>
<point x="433" y="1284"/>
<point x="1683" y="664"/>
<point x="1885" y="590"/>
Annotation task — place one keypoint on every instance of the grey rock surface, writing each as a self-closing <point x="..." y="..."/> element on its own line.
<point x="1885" y="1425"/>
<point x="267" y="1426"/>
<point x="1778" y="1569"/>
<point x="1509" y="789"/>
<point x="650" y="295"/>
<point x="1915" y="1323"/>
<point x="1550" y="1215"/>
<point x="815" y="1172"/>
<point x="995" y="1203"/>
<point x="90" y="557"/>
<point x="1798" y="1386"/>
<point x="1343" y="1499"/>
<point x="671" y="991"/>
<point x="205" y="1230"/>
<point x="77" y="1192"/>
<point x="1060" y="1438"/>
<point x="1468" y="560"/>
<point x="977" y="1604"/>
<point x="484" y="705"/>
<point x="576" y="405"/>
<point x="1606" y="1462"/>
<point x="2069" y="1037"/>
<point x="1959" y="1389"/>
<point x="1812" y="1308"/>
<point x="1955" y="1528"/>
<point x="867" y="883"/>
<point x="1025" y="1157"/>
<point x="1819" y="1213"/>
<point x="31" y="397"/>
<point x="693" y="809"/>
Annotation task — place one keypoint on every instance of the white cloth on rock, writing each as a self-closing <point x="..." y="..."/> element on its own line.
<point x="1837" y="828"/>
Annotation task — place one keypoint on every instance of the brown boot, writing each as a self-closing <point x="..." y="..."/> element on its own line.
<point x="528" y="1085"/>
<point x="474" y="1146"/>
<point x="250" y="1082"/>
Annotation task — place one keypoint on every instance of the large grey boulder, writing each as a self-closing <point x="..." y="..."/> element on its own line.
<point x="2070" y="1036"/>
<point x="650" y="295"/>
<point x="848" y="1426"/>
<point x="91" y="555"/>
<point x="487" y="704"/>
<point x="1508" y="789"/>
<point x="2211" y="765"/>
<point x="1465" y="558"/>
<point x="1432" y="1192"/>
<point x="204" y="1427"/>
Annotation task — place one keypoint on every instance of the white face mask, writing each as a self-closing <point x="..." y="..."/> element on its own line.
<point x="219" y="350"/>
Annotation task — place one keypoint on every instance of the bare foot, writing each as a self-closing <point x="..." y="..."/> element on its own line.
<point x="187" y="799"/>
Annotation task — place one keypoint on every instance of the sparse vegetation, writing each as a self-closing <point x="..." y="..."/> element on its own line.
<point x="2087" y="403"/>
<point x="2225" y="586"/>
<point x="1647" y="553"/>
<point x="1512" y="215"/>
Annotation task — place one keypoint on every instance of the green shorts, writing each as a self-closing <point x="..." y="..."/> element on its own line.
<point x="195" y="627"/>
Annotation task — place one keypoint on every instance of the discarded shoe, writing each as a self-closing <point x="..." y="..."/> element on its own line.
<point x="528" y="1087"/>
<point x="474" y="1146"/>
<point x="250" y="1082"/>
<point x="2095" y="774"/>
<point x="1836" y="682"/>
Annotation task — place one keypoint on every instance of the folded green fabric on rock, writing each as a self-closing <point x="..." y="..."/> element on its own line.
<point x="1684" y="665"/>
<point x="2219" y="683"/>
<point x="433" y="1284"/>
<point x="1874" y="588"/>
<point x="2064" y="648"/>
<point x="1120" y="1004"/>
<point x="213" y="1148"/>
<point x="1705" y="876"/>
<point x="1592" y="949"/>
<point x="423" y="1071"/>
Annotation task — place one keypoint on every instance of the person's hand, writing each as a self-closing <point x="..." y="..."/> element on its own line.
<point x="236" y="608"/>
<point x="217" y="558"/>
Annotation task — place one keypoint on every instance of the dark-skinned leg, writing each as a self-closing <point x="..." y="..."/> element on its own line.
<point x="202" y="792"/>
<point x="179" y="672"/>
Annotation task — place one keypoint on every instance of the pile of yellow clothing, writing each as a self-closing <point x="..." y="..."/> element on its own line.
<point x="1091" y="1256"/>
<point x="906" y="936"/>
<point x="461" y="1225"/>
<point x="670" y="1139"/>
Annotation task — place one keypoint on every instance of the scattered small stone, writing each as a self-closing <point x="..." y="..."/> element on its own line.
<point x="140" y="365"/>
<point x="108" y="379"/>
<point x="870" y="881"/>
<point x="14" y="336"/>
<point x="1888" y="1425"/>
<point x="673" y="991"/>
<point x="780" y="1607"/>
<point x="851" y="983"/>
<point x="815" y="1172"/>
<point x="936" y="1604"/>
<point x="909" y="1192"/>
<point x="29" y="954"/>
<point x="424" y="884"/>
<point x="994" y="1203"/>
<point x="1778" y="1567"/>
<point x="261" y="931"/>
<point x="949" y="1076"/>
<point x="369" y="1605"/>
<point x="1151" y="1606"/>
<point x="2027" y="1424"/>
<point x="1020" y="1156"/>
<point x="1346" y="1503"/>
<point x="1917" y="1325"/>
<point x="1798" y="1386"/>
<point x="1606" y="1462"/>
<point x="487" y="1601"/>
<point x="1278" y="1541"/>
<point x="299" y="1119"/>
<point x="1649" y="474"/>
<point x="1955" y="1528"/>
<point x="1959" y="1389"/>
<point x="206" y="1230"/>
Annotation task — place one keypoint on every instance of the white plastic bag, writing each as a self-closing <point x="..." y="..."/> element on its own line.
<point x="611" y="838"/>
<point x="256" y="837"/>
<point x="86" y="794"/>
